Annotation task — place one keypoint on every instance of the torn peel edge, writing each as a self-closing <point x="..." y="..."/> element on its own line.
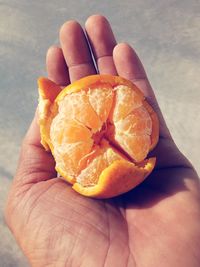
<point x="90" y="81"/>
<point x="155" y="125"/>
<point x="120" y="177"/>
<point x="48" y="91"/>
<point x="64" y="176"/>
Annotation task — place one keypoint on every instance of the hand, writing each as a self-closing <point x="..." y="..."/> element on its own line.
<point x="156" y="224"/>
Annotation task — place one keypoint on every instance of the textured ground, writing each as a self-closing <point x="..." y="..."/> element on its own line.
<point x="166" y="36"/>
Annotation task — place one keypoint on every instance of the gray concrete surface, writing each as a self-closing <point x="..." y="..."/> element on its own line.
<point x="166" y="36"/>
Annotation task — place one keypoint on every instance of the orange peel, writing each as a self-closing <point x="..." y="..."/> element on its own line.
<point x="100" y="130"/>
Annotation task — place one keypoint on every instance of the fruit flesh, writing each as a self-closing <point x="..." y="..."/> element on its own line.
<point x="86" y="124"/>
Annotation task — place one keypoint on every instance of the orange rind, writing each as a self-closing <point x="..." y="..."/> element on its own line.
<point x="100" y="130"/>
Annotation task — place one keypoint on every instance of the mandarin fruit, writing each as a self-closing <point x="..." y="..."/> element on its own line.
<point x="100" y="130"/>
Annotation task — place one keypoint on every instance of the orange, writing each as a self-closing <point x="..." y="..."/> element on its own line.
<point x="100" y="130"/>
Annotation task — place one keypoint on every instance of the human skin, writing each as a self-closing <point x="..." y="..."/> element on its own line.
<point x="155" y="224"/>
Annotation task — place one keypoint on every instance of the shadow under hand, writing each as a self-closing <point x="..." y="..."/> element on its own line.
<point x="160" y="185"/>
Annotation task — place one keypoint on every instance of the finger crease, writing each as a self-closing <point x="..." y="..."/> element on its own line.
<point x="139" y="79"/>
<point x="74" y="65"/>
<point x="103" y="57"/>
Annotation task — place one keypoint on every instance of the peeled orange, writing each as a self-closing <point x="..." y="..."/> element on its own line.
<point x="100" y="130"/>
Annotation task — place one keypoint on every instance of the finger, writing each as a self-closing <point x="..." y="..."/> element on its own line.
<point x="76" y="51"/>
<point x="32" y="136"/>
<point x="35" y="164"/>
<point x="102" y="42"/>
<point x="56" y="66"/>
<point x="129" y="66"/>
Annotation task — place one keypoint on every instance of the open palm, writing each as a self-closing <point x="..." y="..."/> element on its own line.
<point x="156" y="224"/>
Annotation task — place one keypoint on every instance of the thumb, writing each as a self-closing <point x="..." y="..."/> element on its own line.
<point x="35" y="164"/>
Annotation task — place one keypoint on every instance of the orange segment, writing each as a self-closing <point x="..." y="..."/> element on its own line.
<point x="100" y="130"/>
<point x="133" y="133"/>
<point x="126" y="100"/>
<point x="136" y="123"/>
<point x="137" y="147"/>
<point x="77" y="106"/>
<point x="101" y="99"/>
<point x="68" y="131"/>
<point x="72" y="156"/>
<point x="90" y="175"/>
<point x="72" y="142"/>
